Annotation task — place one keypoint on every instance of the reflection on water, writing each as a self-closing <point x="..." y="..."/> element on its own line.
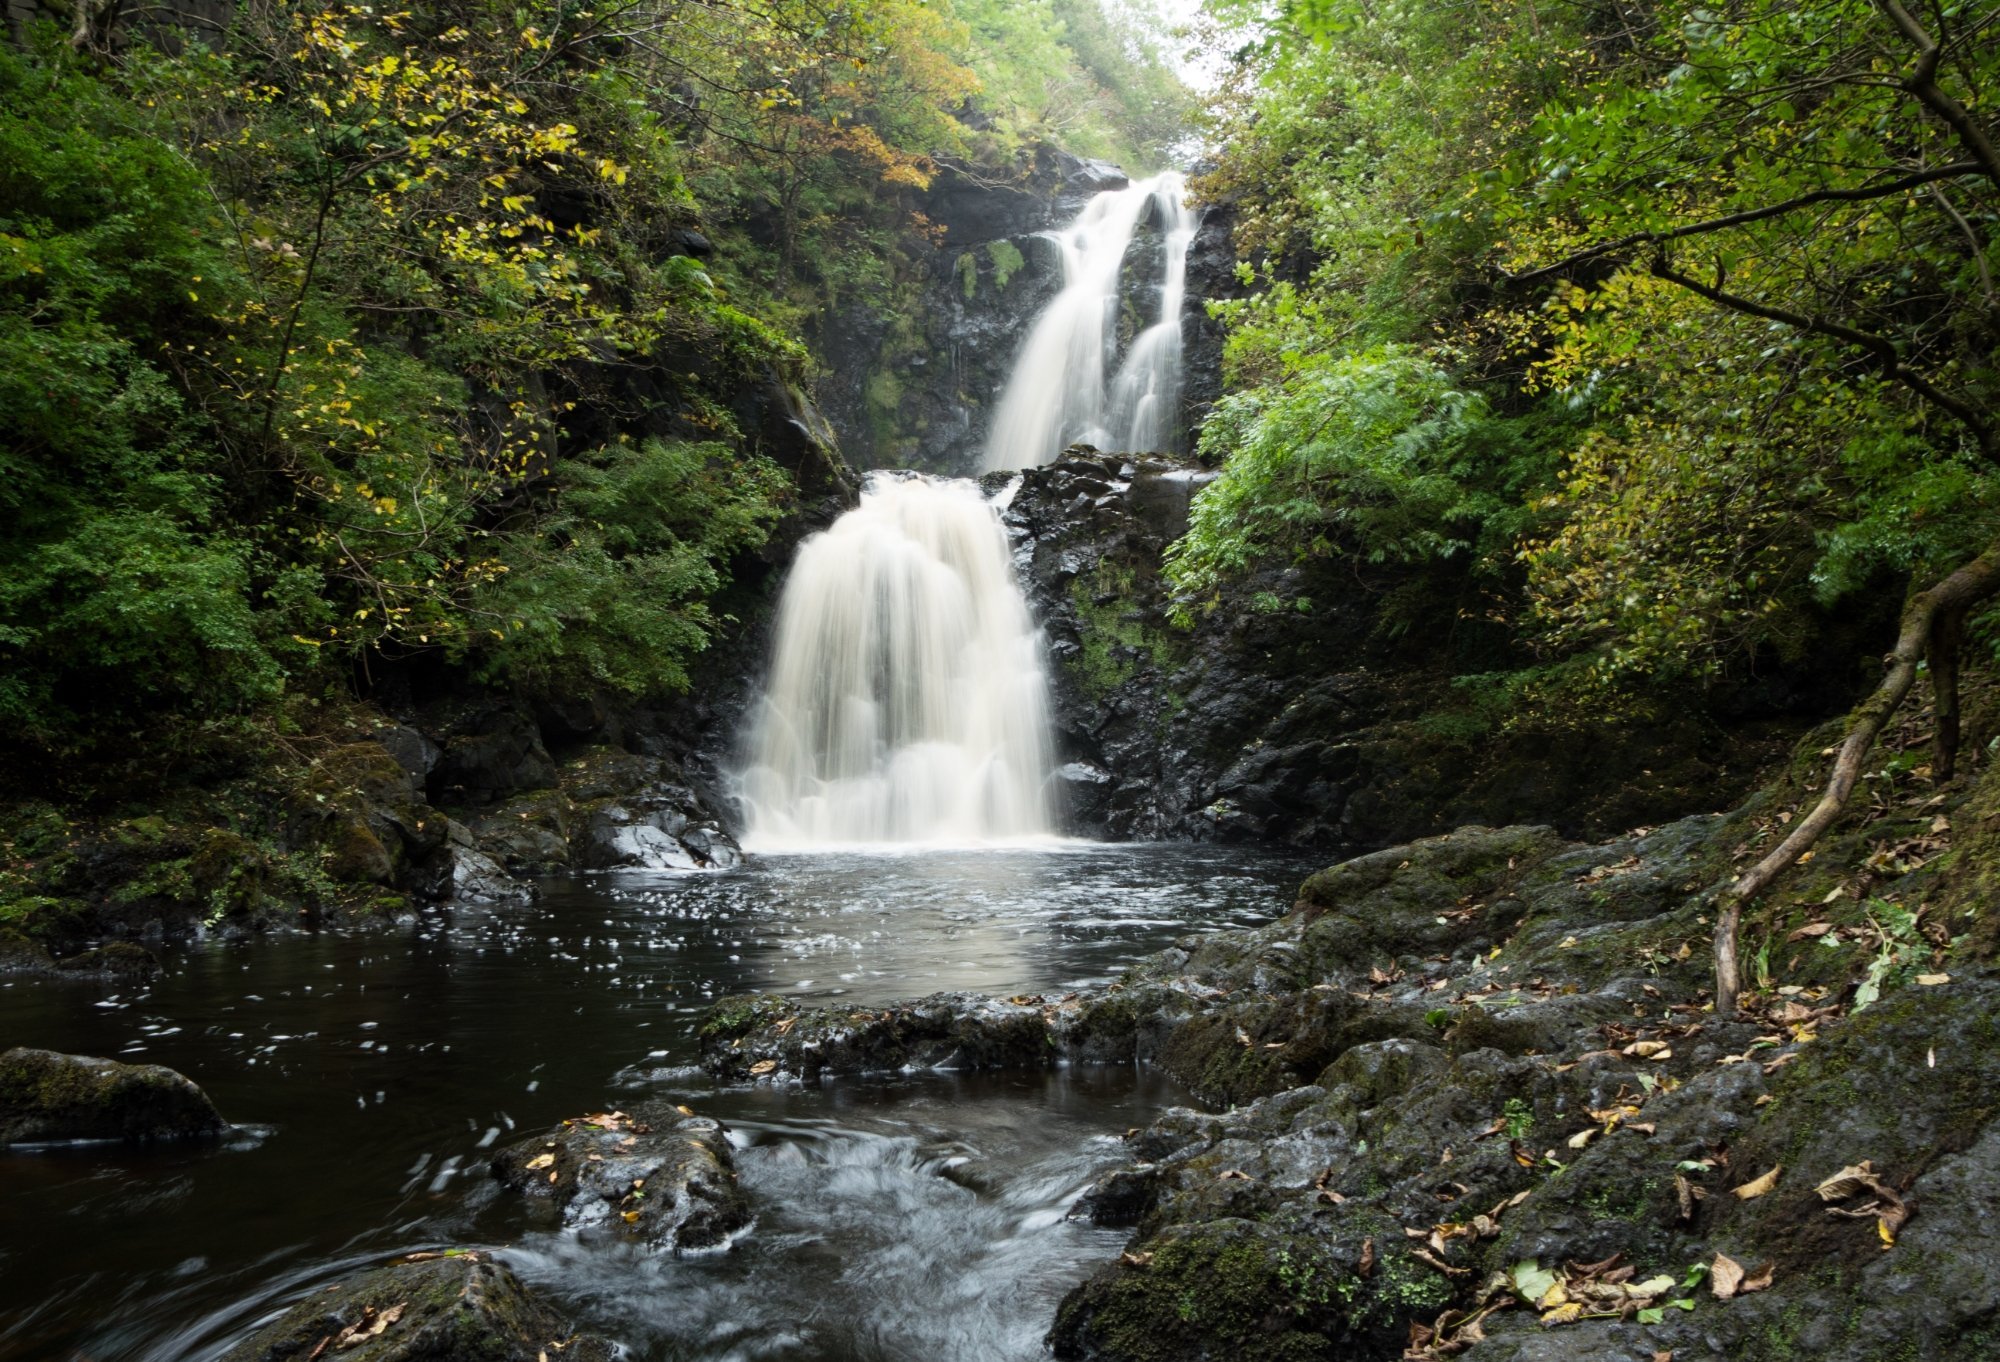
<point x="919" y="1218"/>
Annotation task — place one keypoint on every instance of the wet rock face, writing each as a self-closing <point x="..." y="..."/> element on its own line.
<point x="49" y="1096"/>
<point x="457" y="1307"/>
<point x="660" y="1175"/>
<point x="608" y="810"/>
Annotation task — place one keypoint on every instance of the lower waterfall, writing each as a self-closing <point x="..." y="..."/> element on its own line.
<point x="907" y="700"/>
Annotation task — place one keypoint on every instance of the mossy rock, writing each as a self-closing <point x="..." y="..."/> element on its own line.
<point x="45" y="920"/>
<point x="49" y="1096"/>
<point x="1205" y="1293"/>
<point x="454" y="1307"/>
<point x="355" y="855"/>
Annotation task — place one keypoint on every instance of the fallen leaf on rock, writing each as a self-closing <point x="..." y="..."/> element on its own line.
<point x="1135" y="1259"/>
<point x="762" y="1067"/>
<point x="1647" y="1049"/>
<point x="1531" y="1281"/>
<point x="540" y="1161"/>
<point x="1760" y="1280"/>
<point x="1367" y="1264"/>
<point x="1234" y="1175"/>
<point x="1881" y="1200"/>
<point x="370" y="1325"/>
<point x="1810" y="930"/>
<point x="1725" y="1275"/>
<point x="1757" y="1187"/>
<point x="1583" y="1137"/>
<point x="1933" y="980"/>
<point x="1568" y="1313"/>
<point x="631" y="1217"/>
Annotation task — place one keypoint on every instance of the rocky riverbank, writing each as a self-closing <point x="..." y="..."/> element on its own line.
<point x="1470" y="1091"/>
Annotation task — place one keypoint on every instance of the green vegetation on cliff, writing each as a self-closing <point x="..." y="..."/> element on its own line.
<point x="338" y="337"/>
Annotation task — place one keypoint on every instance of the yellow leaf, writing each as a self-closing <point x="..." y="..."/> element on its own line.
<point x="1757" y="1187"/>
<point x="540" y="1161"/>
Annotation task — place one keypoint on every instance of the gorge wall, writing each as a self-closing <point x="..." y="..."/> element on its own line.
<point x="1318" y="729"/>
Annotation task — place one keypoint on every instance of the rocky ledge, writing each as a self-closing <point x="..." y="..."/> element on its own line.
<point x="1468" y="1094"/>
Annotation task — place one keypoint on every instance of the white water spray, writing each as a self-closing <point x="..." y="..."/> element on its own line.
<point x="907" y="700"/>
<point x="1058" y="393"/>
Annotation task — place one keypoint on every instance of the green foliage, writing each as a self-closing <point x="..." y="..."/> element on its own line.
<point x="1376" y="452"/>
<point x="1746" y="361"/>
<point x="118" y="588"/>
<point x="290" y="352"/>
<point x="613" y="592"/>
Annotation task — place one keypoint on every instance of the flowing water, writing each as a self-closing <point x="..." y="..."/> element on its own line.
<point x="906" y="1217"/>
<point x="914" y="1216"/>
<point x="1068" y="383"/>
<point x="907" y="700"/>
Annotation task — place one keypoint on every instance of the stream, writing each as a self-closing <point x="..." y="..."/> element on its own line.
<point x="916" y="1216"/>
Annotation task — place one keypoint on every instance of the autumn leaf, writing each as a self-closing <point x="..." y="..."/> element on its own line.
<point x="1757" y="1187"/>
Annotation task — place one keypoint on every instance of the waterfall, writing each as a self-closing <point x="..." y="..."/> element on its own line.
<point x="1058" y="393"/>
<point x="907" y="700"/>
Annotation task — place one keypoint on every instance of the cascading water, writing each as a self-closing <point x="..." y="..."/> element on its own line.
<point x="907" y="700"/>
<point x="1058" y="393"/>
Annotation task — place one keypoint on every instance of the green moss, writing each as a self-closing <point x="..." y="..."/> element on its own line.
<point x="1115" y="639"/>
<point x="1221" y="1290"/>
<point x="882" y="395"/>
<point x="741" y="1014"/>
<point x="968" y="274"/>
<point x="44" y="919"/>
<point x="1007" y="261"/>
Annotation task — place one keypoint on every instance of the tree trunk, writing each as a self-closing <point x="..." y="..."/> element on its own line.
<point x="1922" y="616"/>
<point x="1947" y="636"/>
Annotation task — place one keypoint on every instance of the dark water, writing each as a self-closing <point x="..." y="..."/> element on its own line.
<point x="915" y="1218"/>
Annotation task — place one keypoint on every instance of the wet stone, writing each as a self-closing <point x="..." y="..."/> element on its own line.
<point x="439" y="1307"/>
<point x="49" y="1096"/>
<point x="659" y="1175"/>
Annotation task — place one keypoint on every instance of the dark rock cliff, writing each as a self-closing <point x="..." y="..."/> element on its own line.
<point x="1309" y="728"/>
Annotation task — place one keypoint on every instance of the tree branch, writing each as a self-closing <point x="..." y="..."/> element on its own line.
<point x="1922" y="83"/>
<point x="1860" y="194"/>
<point x="1884" y="350"/>
<point x="1974" y="582"/>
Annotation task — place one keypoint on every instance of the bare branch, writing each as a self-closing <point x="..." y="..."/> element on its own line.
<point x="1887" y="357"/>
<point x="1859" y="194"/>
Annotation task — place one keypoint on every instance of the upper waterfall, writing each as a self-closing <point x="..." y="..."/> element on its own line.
<point x="906" y="701"/>
<point x="1065" y="387"/>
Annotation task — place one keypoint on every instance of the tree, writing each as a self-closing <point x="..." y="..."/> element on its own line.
<point x="1813" y="160"/>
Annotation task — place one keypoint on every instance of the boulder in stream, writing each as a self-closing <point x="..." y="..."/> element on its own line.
<point x="439" y="1307"/>
<point x="660" y="1175"/>
<point x="49" y="1096"/>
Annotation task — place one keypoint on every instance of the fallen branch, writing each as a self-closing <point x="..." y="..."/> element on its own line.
<point x="1924" y="613"/>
